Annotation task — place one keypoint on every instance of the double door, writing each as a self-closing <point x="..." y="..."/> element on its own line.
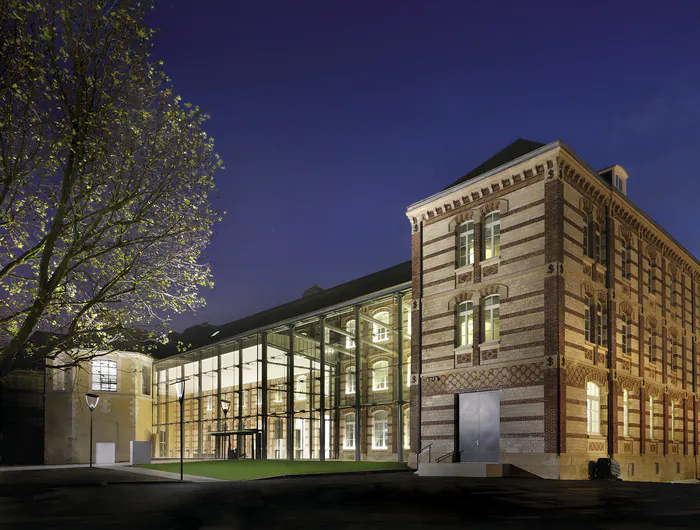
<point x="479" y="426"/>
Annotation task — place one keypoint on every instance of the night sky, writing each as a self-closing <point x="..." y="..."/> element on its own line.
<point x="333" y="116"/>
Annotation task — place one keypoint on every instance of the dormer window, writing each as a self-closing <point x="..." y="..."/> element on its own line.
<point x="616" y="177"/>
<point x="618" y="182"/>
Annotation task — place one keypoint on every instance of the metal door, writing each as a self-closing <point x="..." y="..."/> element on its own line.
<point x="479" y="426"/>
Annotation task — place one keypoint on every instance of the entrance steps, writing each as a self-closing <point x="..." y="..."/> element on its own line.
<point x="471" y="469"/>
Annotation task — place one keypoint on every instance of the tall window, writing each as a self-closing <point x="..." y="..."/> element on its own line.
<point x="350" y="328"/>
<point x="492" y="235"/>
<point x="381" y="332"/>
<point x="593" y="408"/>
<point x="625" y="413"/>
<point x="146" y="380"/>
<point x="651" y="276"/>
<point x="492" y="323"/>
<point x="210" y="403"/>
<point x="624" y="328"/>
<point x="244" y="398"/>
<point x="675" y="298"/>
<point x="279" y="393"/>
<point x="625" y="259"/>
<point x="350" y="380"/>
<point x="300" y="393"/>
<point x="465" y="323"/>
<point x="651" y="417"/>
<point x="599" y="323"/>
<point x="675" y="354"/>
<point x="587" y="323"/>
<point x="380" y="375"/>
<point x="349" y="441"/>
<point x="466" y="244"/>
<point x="650" y="344"/>
<point x="104" y="375"/>
<point x="259" y="397"/>
<point x="673" y="421"/>
<point x="381" y="430"/>
<point x="586" y="236"/>
<point x="409" y="325"/>
<point x="406" y="428"/>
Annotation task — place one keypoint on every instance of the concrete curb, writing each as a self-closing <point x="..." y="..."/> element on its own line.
<point x="336" y="473"/>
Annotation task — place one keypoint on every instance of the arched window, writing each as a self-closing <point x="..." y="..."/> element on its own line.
<point x="466" y="244"/>
<point x="492" y="235"/>
<point x="381" y="430"/>
<point x="465" y="324"/>
<point x="491" y="320"/>
<point x="381" y="332"/>
<point x="380" y="375"/>
<point x="624" y="329"/>
<point x="349" y="441"/>
<point x="593" y="408"/>
<point x="625" y="413"/>
<point x="406" y="427"/>
<point x="350" y="328"/>
<point x="587" y="321"/>
<point x="651" y="418"/>
<point x="350" y="380"/>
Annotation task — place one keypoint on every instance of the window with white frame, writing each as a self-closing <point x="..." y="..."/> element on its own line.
<point x="349" y="440"/>
<point x="465" y="324"/>
<point x="587" y="322"/>
<point x="651" y="417"/>
<point x="279" y="393"/>
<point x="259" y="397"/>
<point x="350" y="380"/>
<point x="300" y="394"/>
<point x="210" y="403"/>
<point x="625" y="413"/>
<point x="466" y="244"/>
<point x="244" y="398"/>
<point x="380" y="436"/>
<point x="406" y="427"/>
<point x="492" y="235"/>
<point x="350" y="328"/>
<point x="593" y="408"/>
<point x="380" y="375"/>
<point x="624" y="334"/>
<point x="491" y="320"/>
<point x="381" y="332"/>
<point x="104" y="375"/>
<point x="409" y="324"/>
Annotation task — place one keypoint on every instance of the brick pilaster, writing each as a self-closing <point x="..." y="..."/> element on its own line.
<point x="416" y="337"/>
<point x="476" y="350"/>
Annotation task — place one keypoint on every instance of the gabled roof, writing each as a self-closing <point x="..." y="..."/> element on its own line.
<point x="366" y="285"/>
<point x="515" y="150"/>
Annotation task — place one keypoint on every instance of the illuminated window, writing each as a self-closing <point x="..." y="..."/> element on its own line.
<point x="406" y="428"/>
<point x="593" y="408"/>
<point x="279" y="393"/>
<point x="146" y="380"/>
<point x="466" y="244"/>
<point x="625" y="413"/>
<point x="492" y="235"/>
<point x="381" y="332"/>
<point x="350" y="328"/>
<point x="350" y="380"/>
<point x="491" y="320"/>
<point x="381" y="430"/>
<point x="300" y="394"/>
<point x="210" y="403"/>
<point x="380" y="372"/>
<point x="104" y="375"/>
<point x="349" y="441"/>
<point x="465" y="324"/>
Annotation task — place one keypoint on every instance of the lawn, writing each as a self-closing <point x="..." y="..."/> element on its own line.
<point x="250" y="469"/>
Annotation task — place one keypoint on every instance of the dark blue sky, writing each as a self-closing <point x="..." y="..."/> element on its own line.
<point x="333" y="116"/>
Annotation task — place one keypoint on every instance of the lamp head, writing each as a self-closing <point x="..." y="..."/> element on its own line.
<point x="92" y="400"/>
<point x="180" y="389"/>
<point x="225" y="406"/>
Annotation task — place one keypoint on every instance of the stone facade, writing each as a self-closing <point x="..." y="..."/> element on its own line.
<point x="548" y="287"/>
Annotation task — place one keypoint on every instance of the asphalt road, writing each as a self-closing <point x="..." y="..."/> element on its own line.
<point x="110" y="499"/>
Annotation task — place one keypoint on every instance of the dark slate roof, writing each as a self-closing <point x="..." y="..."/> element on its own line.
<point x="200" y="335"/>
<point x="515" y="150"/>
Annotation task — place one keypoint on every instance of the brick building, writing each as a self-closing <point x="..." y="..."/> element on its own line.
<point x="555" y="322"/>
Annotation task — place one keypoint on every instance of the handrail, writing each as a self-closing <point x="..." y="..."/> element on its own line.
<point x="446" y="455"/>
<point x="426" y="448"/>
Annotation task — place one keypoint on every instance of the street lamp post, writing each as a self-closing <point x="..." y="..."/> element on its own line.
<point x="92" y="400"/>
<point x="225" y="405"/>
<point x="180" y="390"/>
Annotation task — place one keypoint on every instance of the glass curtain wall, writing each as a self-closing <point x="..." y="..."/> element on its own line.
<point x="331" y="386"/>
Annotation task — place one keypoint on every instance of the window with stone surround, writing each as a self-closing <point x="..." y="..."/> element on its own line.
<point x="350" y="380"/>
<point x="350" y="328"/>
<point x="381" y="332"/>
<point x="104" y="375"/>
<point x="492" y="235"/>
<point x="593" y="408"/>
<point x="673" y="421"/>
<point x="587" y="321"/>
<point x="624" y="335"/>
<point x="349" y="440"/>
<point x="380" y="434"/>
<point x="491" y="322"/>
<point x="625" y="253"/>
<point x="465" y="324"/>
<point x="380" y="375"/>
<point x="466" y="244"/>
<point x="651" y="417"/>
